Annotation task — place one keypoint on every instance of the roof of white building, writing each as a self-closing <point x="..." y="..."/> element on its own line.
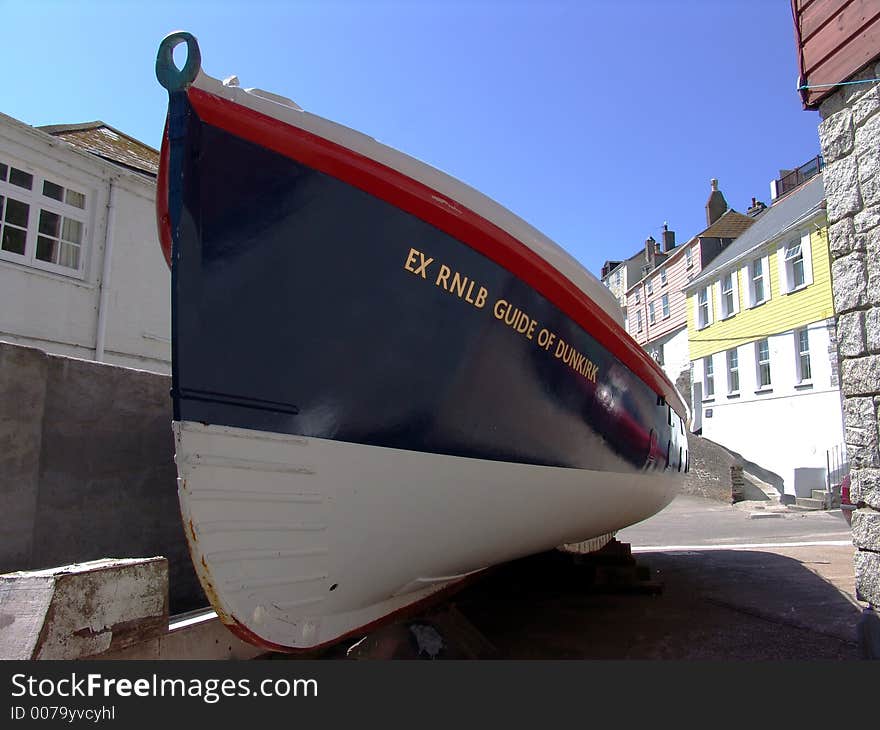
<point x="102" y="140"/>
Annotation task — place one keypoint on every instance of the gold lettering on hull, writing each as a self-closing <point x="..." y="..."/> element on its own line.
<point x="468" y="290"/>
<point x="461" y="286"/>
<point x="576" y="361"/>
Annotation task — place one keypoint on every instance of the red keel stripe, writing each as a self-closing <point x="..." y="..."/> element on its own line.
<point x="163" y="220"/>
<point x="421" y="201"/>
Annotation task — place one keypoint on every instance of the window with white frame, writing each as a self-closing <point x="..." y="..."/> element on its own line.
<point x="802" y="339"/>
<point x="664" y="302"/>
<point x="42" y="220"/>
<point x="794" y="265"/>
<point x="651" y="317"/>
<point x="727" y="295"/>
<point x="617" y="278"/>
<point x="649" y="287"/>
<point x="638" y="296"/>
<point x="663" y="280"/>
<point x="639" y="321"/>
<point x="689" y="257"/>
<point x="794" y="260"/>
<point x="762" y="360"/>
<point x="757" y="282"/>
<point x="733" y="371"/>
<point x="703" y="308"/>
<point x="708" y="376"/>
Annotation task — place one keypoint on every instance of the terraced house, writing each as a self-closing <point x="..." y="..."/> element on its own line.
<point x="762" y="343"/>
<point x="656" y="311"/>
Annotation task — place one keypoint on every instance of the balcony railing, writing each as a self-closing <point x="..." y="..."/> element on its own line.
<point x="799" y="176"/>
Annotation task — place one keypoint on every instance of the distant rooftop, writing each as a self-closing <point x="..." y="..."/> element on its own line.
<point x="102" y="140"/>
<point x="731" y="224"/>
<point x="785" y="213"/>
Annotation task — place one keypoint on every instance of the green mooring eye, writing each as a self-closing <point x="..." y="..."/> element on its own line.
<point x="171" y="77"/>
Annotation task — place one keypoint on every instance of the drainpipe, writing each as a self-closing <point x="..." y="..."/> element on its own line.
<point x="105" y="273"/>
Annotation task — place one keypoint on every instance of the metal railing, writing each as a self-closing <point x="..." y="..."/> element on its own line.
<point x="799" y="175"/>
<point x="837" y="467"/>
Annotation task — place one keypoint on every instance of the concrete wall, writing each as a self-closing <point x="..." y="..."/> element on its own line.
<point x="86" y="467"/>
<point x="850" y="137"/>
<point x="59" y="310"/>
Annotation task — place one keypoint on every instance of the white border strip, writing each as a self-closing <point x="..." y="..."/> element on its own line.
<point x="177" y="623"/>
<point x="744" y="546"/>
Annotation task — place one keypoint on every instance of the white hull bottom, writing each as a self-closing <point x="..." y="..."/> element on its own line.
<point x="300" y="541"/>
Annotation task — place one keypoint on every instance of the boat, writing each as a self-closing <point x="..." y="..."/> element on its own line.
<point x="383" y="382"/>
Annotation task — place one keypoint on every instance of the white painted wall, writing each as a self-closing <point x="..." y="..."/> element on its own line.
<point x="676" y="357"/>
<point x="58" y="312"/>
<point x="788" y="428"/>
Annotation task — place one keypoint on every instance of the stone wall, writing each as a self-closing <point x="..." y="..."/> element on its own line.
<point x="710" y="475"/>
<point x="87" y="469"/>
<point x="850" y="138"/>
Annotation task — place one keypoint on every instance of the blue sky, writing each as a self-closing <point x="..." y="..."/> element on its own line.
<point x="595" y="121"/>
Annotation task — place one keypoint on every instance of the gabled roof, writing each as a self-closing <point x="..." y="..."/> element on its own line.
<point x="785" y="213"/>
<point x="730" y="225"/>
<point x="110" y="144"/>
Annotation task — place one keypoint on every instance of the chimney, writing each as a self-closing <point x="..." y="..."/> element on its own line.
<point x="757" y="207"/>
<point x="650" y="252"/>
<point x="716" y="206"/>
<point x="668" y="239"/>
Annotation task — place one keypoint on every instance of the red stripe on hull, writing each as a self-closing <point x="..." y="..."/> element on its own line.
<point x="421" y="201"/>
<point x="163" y="220"/>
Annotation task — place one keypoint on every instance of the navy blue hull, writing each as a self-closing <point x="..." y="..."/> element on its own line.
<point x="303" y="305"/>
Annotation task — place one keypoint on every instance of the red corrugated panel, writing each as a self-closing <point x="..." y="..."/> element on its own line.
<point x="835" y="39"/>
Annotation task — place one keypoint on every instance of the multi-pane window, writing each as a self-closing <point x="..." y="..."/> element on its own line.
<point x="649" y="287"/>
<point x="709" y="376"/>
<point x="703" y="308"/>
<point x="663" y="276"/>
<point x="794" y="265"/>
<point x="762" y="358"/>
<point x="638" y="296"/>
<point x="689" y="258"/>
<point x="42" y="221"/>
<point x="727" y="295"/>
<point x="639" y="321"/>
<point x="617" y="278"/>
<point x="664" y="302"/>
<point x="733" y="371"/>
<point x="651" y="317"/>
<point x="756" y="270"/>
<point x="803" y="362"/>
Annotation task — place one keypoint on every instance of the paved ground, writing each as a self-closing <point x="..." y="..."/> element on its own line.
<point x="696" y="521"/>
<point x="791" y="596"/>
<point x="723" y="584"/>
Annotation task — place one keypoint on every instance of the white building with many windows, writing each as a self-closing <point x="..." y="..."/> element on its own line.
<point x="81" y="270"/>
<point x="762" y="344"/>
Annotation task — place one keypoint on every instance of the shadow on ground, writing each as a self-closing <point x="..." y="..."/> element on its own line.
<point x="725" y="604"/>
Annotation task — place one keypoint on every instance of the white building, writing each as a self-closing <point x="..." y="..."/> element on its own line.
<point x="81" y="270"/>
<point x="762" y="344"/>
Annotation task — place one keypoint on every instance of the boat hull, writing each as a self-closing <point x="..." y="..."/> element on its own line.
<point x="302" y="541"/>
<point x="305" y="305"/>
<point x="377" y="391"/>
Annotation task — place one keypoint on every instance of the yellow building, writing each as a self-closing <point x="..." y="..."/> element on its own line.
<point x="762" y="344"/>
